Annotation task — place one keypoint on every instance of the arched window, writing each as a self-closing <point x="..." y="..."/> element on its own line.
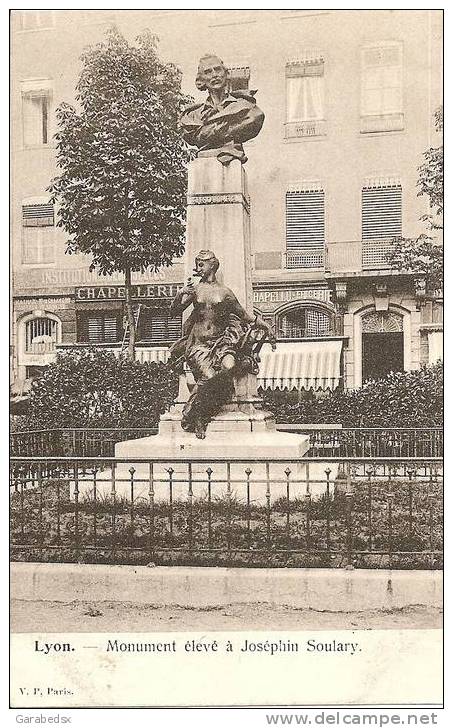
<point x="40" y="335"/>
<point x="382" y="322"/>
<point x="304" y="322"/>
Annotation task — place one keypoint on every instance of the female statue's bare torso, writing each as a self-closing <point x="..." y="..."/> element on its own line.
<point x="218" y="338"/>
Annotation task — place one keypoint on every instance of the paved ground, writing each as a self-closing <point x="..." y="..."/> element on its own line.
<point x="110" y="616"/>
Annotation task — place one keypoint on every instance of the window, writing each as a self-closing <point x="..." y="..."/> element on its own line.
<point x="97" y="17"/>
<point x="305" y="97"/>
<point x="381" y="222"/>
<point x="37" y="233"/>
<point x="99" y="327"/>
<point x="40" y="336"/>
<point x="381" y="212"/>
<point x="304" y="322"/>
<point x="382" y="322"/>
<point x="34" y="372"/>
<point x="239" y="77"/>
<point x="37" y="19"/>
<point x="382" y="99"/>
<point x="156" y="326"/>
<point x="305" y="227"/>
<point x="36" y="110"/>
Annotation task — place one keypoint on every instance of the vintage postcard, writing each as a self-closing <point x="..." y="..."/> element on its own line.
<point x="226" y="406"/>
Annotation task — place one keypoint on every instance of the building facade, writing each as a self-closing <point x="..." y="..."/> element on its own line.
<point x="349" y="98"/>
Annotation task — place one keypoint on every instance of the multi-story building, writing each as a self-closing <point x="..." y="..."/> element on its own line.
<point x="349" y="98"/>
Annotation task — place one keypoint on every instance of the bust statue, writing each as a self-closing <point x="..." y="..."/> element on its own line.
<point x="221" y="340"/>
<point x="226" y="119"/>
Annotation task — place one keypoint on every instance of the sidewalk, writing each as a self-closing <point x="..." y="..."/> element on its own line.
<point x="81" y="598"/>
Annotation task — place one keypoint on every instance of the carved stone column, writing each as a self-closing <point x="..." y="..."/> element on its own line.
<point x="218" y="219"/>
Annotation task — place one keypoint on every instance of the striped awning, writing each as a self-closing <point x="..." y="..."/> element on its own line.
<point x="301" y="365"/>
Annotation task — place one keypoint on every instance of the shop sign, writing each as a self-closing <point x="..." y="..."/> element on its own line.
<point x="286" y="295"/>
<point x="118" y="293"/>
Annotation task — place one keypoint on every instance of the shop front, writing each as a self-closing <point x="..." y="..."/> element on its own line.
<point x="101" y="318"/>
<point x="309" y="332"/>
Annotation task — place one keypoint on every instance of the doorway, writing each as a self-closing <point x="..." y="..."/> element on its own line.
<point x="382" y="354"/>
<point x="382" y="344"/>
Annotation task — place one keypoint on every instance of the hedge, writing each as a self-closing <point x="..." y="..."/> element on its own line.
<point x="402" y="399"/>
<point x="94" y="388"/>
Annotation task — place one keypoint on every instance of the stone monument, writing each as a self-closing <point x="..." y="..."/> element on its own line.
<point x="218" y="413"/>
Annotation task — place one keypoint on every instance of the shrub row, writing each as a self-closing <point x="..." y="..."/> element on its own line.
<point x="402" y="399"/>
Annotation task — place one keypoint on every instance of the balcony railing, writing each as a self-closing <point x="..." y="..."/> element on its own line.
<point x="304" y="258"/>
<point x="351" y="256"/>
<point x="290" y="333"/>
<point x="376" y="254"/>
<point x="345" y="256"/>
<point x="41" y="347"/>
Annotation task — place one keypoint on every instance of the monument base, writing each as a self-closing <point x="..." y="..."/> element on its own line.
<point x="233" y="454"/>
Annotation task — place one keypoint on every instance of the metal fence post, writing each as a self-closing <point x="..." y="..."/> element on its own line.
<point x="209" y="472"/>
<point x="349" y="496"/>
<point x="151" y="511"/>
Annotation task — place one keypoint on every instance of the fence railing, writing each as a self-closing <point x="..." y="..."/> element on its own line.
<point x="328" y="441"/>
<point x="79" y="442"/>
<point x="375" y="442"/>
<point x="381" y="512"/>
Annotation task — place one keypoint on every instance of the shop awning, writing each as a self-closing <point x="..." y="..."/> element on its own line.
<point x="301" y="365"/>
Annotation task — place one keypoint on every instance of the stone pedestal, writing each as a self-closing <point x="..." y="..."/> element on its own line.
<point x="218" y="219"/>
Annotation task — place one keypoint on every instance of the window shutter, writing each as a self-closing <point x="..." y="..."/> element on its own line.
<point x="305" y="228"/>
<point x="38" y="215"/>
<point x="174" y="328"/>
<point x="381" y="212"/>
<point x="157" y="327"/>
<point x="110" y="328"/>
<point x="94" y="329"/>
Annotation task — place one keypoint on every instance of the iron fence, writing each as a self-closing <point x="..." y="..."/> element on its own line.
<point x="78" y="442"/>
<point x="340" y="512"/>
<point x="374" y="442"/>
<point x="377" y="442"/>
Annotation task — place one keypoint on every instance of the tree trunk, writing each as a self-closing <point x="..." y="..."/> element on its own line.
<point x="130" y="315"/>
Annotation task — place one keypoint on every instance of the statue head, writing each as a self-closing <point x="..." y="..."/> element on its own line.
<point x="206" y="264"/>
<point x="212" y="74"/>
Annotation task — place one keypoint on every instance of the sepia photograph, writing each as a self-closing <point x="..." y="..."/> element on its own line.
<point x="226" y="357"/>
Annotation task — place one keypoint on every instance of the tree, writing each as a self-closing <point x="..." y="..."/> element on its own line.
<point x="424" y="255"/>
<point x="122" y="189"/>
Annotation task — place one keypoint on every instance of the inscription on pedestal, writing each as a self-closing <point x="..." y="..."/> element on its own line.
<point x="232" y="198"/>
